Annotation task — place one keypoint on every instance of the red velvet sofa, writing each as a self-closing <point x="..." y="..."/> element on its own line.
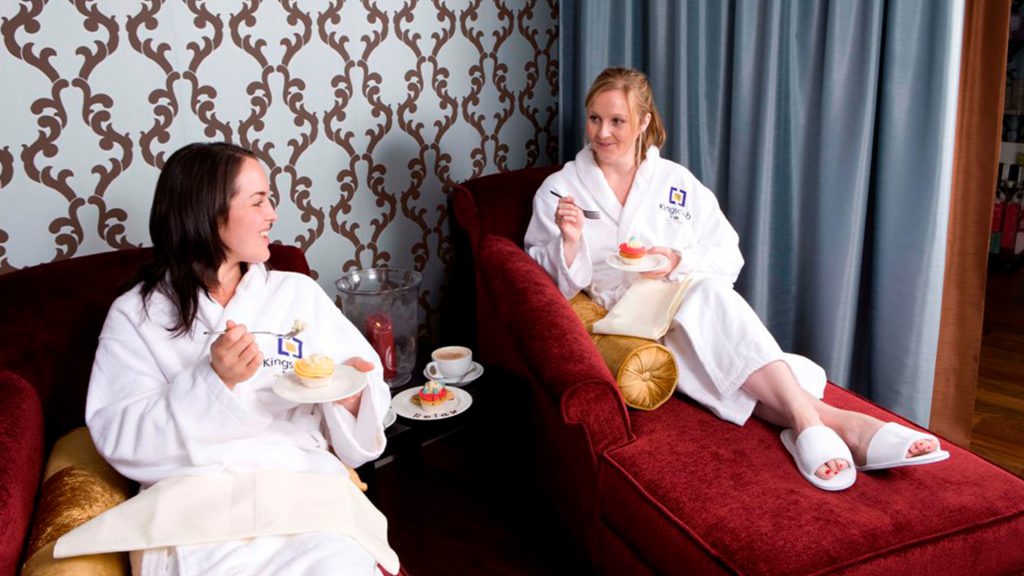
<point x="678" y="491"/>
<point x="51" y="320"/>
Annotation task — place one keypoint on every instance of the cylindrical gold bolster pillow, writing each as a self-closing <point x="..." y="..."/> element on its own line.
<point x="78" y="485"/>
<point x="644" y="369"/>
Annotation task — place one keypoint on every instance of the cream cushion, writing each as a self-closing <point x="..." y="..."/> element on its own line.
<point x="644" y="311"/>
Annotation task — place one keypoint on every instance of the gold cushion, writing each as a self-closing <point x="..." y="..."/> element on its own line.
<point x="644" y="369"/>
<point x="42" y="563"/>
<point x="77" y="486"/>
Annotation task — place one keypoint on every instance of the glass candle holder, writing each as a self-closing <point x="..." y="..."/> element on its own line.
<point x="384" y="304"/>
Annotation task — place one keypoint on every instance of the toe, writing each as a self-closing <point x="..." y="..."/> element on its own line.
<point x="921" y="447"/>
<point x="824" y="472"/>
<point x="828" y="470"/>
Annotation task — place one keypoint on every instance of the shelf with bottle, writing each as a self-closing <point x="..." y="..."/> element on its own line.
<point x="1013" y="101"/>
<point x="1006" y="240"/>
<point x="1017" y="20"/>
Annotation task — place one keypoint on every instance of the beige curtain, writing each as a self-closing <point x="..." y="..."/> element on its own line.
<point x="975" y="167"/>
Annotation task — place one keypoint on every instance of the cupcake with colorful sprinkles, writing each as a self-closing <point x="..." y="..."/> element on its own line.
<point x="632" y="251"/>
<point x="433" y="395"/>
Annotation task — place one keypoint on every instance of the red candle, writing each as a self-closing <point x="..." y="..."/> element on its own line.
<point x="382" y="337"/>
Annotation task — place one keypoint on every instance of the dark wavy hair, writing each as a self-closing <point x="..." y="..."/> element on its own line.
<point x="191" y="203"/>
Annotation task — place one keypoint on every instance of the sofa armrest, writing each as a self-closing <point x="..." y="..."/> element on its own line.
<point x="551" y="342"/>
<point x="21" y="443"/>
<point x="466" y="216"/>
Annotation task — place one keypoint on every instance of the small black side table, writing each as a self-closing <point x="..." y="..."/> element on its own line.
<point x="406" y="437"/>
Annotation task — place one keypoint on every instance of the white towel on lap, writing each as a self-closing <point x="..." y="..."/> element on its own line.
<point x="214" y="508"/>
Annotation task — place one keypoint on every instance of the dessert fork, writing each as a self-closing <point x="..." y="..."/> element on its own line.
<point x="289" y="334"/>
<point x="592" y="214"/>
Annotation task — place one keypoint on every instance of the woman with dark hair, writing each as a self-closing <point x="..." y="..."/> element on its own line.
<point x="183" y="398"/>
<point x="727" y="359"/>
<point x="190" y="204"/>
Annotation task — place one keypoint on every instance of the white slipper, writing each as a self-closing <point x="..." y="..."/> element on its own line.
<point x="815" y="446"/>
<point x="888" y="448"/>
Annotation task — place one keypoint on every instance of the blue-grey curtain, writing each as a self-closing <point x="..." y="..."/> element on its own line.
<point x="825" y="130"/>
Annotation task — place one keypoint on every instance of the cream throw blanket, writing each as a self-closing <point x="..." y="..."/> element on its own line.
<point x="214" y="508"/>
<point x="645" y="310"/>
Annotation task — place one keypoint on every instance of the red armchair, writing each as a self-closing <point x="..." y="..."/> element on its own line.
<point x="52" y="316"/>
<point x="678" y="491"/>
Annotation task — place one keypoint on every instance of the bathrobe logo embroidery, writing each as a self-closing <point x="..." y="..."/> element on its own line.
<point x="286" y="348"/>
<point x="290" y="347"/>
<point x="675" y="210"/>
<point x="284" y="365"/>
<point x="677" y="196"/>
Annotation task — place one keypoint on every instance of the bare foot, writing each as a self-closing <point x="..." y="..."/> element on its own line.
<point x="858" y="429"/>
<point x="922" y="447"/>
<point x="829" y="469"/>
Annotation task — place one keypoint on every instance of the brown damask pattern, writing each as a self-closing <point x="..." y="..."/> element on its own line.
<point x="6" y="166"/>
<point x="365" y="113"/>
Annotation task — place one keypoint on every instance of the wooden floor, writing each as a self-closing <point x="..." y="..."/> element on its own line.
<point x="997" y="431"/>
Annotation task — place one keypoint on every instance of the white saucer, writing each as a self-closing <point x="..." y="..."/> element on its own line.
<point x="406" y="407"/>
<point x="345" y="382"/>
<point x="390" y="417"/>
<point x="645" y="264"/>
<point x="475" y="372"/>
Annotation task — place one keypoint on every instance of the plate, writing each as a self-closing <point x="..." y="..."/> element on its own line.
<point x="645" y="264"/>
<point x="390" y="417"/>
<point x="475" y="372"/>
<point x="345" y="382"/>
<point x="404" y="405"/>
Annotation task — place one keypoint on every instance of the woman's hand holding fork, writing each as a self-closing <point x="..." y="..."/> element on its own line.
<point x="569" y="219"/>
<point x="234" y="355"/>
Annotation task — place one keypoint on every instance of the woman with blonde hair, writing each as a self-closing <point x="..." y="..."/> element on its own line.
<point x="638" y="201"/>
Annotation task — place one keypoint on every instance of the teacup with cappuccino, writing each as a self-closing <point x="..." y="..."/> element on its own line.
<point x="450" y="362"/>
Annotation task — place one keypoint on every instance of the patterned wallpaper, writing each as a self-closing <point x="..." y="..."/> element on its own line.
<point x="363" y="112"/>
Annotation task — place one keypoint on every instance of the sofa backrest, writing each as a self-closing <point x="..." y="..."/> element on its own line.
<point x="499" y="204"/>
<point x="52" y="316"/>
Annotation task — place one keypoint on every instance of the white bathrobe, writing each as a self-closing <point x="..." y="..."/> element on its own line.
<point x="156" y="409"/>
<point x="716" y="337"/>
